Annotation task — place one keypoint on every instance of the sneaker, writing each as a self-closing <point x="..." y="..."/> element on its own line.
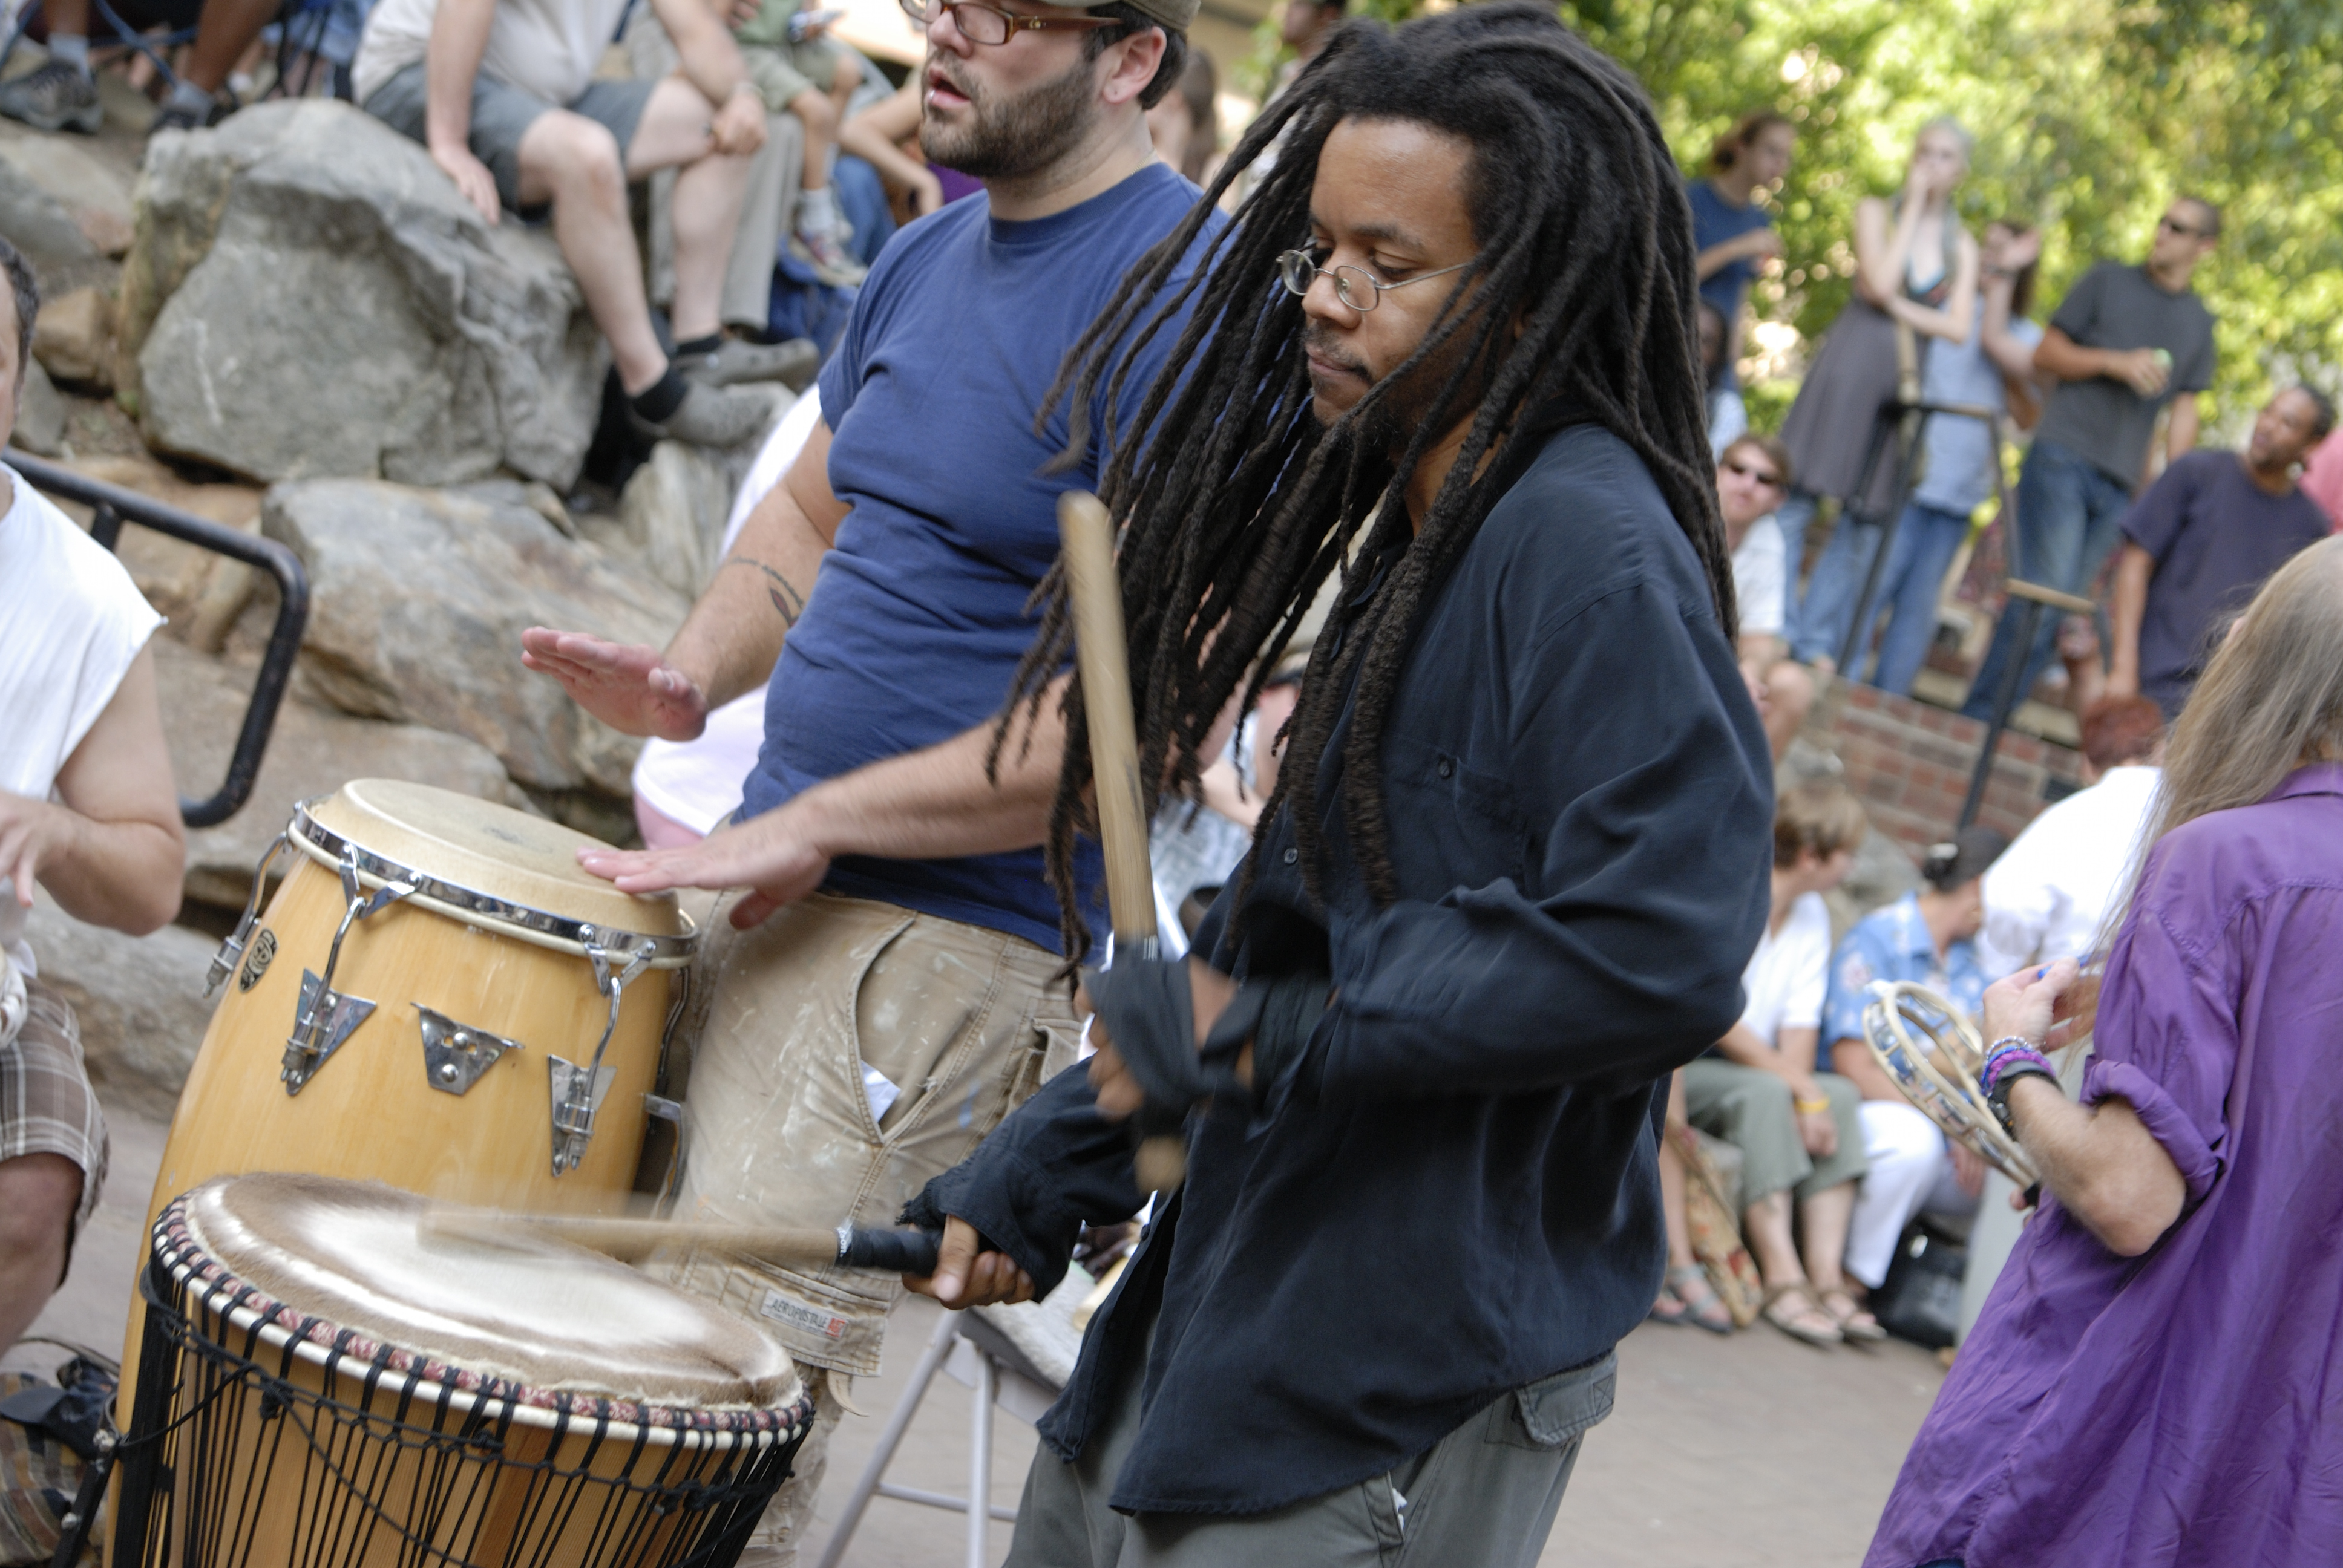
<point x="180" y="117"/>
<point x="732" y="362"/>
<point x="53" y="97"/>
<point x="712" y="417"/>
<point x="828" y="259"/>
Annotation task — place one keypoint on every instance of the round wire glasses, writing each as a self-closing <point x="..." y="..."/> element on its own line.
<point x="1354" y="286"/>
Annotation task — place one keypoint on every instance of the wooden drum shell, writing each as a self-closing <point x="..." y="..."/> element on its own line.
<point x="368" y="1112"/>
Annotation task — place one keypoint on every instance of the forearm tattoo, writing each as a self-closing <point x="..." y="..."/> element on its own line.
<point x="779" y="589"/>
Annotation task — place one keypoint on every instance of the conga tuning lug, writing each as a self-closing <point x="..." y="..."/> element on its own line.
<point x="578" y="1093"/>
<point x="456" y="1054"/>
<point x="231" y="947"/>
<point x="326" y="1018"/>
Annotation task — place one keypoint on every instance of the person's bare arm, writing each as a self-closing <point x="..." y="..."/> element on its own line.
<point x="1755" y="244"/>
<point x="113" y="851"/>
<point x="877" y="136"/>
<point x="1950" y="322"/>
<point x="930" y="804"/>
<point x="1852" y="1059"/>
<point x="2062" y="357"/>
<point x="2127" y="603"/>
<point x="2100" y="1161"/>
<point x="2180" y="430"/>
<point x="1226" y="792"/>
<point x="734" y="634"/>
<point x="1883" y="244"/>
<point x="1762" y="651"/>
<point x="711" y="62"/>
<point x="2011" y="355"/>
<point x="451" y="63"/>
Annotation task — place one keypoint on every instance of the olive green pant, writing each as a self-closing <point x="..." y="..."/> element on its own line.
<point x="1750" y="1109"/>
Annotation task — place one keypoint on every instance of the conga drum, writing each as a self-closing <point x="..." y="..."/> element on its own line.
<point x="326" y="1387"/>
<point x="438" y="997"/>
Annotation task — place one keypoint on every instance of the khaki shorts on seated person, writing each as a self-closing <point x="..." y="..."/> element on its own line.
<point x="502" y="115"/>
<point x="782" y="72"/>
<point x="1750" y="1109"/>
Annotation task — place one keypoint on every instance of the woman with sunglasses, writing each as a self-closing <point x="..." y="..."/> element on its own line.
<point x="1753" y="477"/>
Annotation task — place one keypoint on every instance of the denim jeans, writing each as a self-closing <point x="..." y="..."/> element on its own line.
<point x="1797" y="510"/>
<point x="1926" y="538"/>
<point x="2068" y="512"/>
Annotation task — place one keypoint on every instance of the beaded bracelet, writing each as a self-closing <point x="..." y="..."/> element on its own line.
<point x="2006" y="1053"/>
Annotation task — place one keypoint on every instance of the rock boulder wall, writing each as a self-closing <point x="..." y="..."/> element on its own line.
<point x="309" y="296"/>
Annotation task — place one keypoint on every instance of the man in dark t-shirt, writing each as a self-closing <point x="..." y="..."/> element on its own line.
<point x="2202" y="540"/>
<point x="882" y="990"/>
<point x="2125" y="343"/>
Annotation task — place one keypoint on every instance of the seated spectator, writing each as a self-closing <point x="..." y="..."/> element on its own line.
<point x="1193" y="847"/>
<point x="1752" y="478"/>
<point x="87" y="811"/>
<point x="1727" y="416"/>
<point x="1685" y="1295"/>
<point x="503" y="94"/>
<point x="1797" y="1128"/>
<point x="1929" y="938"/>
<point x="886" y="137"/>
<point x="2201" y="542"/>
<point x="1960" y="457"/>
<point x="61" y="94"/>
<point x="2047" y="896"/>
<point x="798" y="71"/>
<point x="1186" y="125"/>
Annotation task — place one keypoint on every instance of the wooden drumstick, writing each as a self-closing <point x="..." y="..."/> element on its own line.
<point x="1101" y="655"/>
<point x="804" y="1247"/>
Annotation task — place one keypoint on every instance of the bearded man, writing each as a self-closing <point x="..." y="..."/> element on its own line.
<point x="881" y="994"/>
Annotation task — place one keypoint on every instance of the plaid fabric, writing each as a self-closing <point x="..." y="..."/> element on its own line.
<point x="46" y="1105"/>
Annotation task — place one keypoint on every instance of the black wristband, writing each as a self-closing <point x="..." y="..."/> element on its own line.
<point x="1997" y="1099"/>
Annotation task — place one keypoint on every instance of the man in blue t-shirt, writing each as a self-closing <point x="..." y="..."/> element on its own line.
<point x="882" y="990"/>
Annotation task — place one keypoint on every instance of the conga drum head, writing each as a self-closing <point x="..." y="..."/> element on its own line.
<point x="520" y="1311"/>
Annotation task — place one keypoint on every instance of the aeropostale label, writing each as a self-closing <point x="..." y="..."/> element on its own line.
<point x="782" y="1310"/>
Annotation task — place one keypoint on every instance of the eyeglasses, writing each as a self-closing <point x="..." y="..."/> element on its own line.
<point x="1771" y="481"/>
<point x="1353" y="285"/>
<point x="989" y="24"/>
<point x="2169" y="227"/>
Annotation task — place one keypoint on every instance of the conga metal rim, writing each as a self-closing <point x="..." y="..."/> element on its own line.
<point x="458" y="902"/>
<point x="249" y="1310"/>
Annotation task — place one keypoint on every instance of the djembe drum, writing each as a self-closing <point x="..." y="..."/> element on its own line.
<point x="323" y="1386"/>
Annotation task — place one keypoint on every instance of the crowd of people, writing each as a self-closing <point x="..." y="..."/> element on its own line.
<point x="1468" y="624"/>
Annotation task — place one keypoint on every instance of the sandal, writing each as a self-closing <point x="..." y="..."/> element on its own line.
<point x="1808" y="1322"/>
<point x="1855" y="1323"/>
<point x="1702" y="1306"/>
<point x="1668" y="1307"/>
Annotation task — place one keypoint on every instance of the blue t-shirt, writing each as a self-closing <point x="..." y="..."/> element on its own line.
<point x="1716" y="220"/>
<point x="917" y="619"/>
<point x="1894" y="944"/>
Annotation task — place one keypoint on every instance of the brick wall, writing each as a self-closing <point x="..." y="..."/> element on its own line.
<point x="1910" y="763"/>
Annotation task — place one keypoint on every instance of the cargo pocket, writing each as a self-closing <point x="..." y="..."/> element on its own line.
<point x="1554" y="1413"/>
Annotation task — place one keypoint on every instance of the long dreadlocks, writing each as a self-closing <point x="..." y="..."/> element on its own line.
<point x="1239" y="506"/>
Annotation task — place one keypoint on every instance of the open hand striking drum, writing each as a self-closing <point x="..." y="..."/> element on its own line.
<point x="438" y="997"/>
<point x="1939" y="1078"/>
<point x="325" y="1388"/>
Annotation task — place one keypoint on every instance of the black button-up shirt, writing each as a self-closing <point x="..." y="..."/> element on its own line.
<point x="1454" y="1192"/>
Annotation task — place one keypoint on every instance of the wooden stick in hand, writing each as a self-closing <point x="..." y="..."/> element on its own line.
<point x="799" y="1247"/>
<point x="1100" y="653"/>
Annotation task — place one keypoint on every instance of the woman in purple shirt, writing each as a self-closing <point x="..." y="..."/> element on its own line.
<point x="2154" y="1380"/>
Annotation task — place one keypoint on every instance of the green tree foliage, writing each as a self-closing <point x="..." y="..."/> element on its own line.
<point x="2089" y="116"/>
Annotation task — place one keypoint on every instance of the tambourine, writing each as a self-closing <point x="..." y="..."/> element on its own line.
<point x="1940" y="1076"/>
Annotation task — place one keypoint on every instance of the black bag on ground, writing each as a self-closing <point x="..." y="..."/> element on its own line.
<point x="1920" y="1299"/>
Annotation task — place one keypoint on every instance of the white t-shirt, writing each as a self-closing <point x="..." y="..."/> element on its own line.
<point x="2044" y="897"/>
<point x="698" y="782"/>
<point x="1759" y="569"/>
<point x="547" y="48"/>
<point x="1790" y="971"/>
<point x="71" y="621"/>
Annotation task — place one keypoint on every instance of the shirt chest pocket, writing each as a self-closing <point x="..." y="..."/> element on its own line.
<point x="1452" y="824"/>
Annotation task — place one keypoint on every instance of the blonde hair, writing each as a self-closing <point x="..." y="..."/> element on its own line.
<point x="1822" y="815"/>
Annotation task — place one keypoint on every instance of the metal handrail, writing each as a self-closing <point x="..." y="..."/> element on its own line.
<point x="113" y="505"/>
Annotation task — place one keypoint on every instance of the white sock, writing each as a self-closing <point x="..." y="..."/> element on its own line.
<point x="73" y="48"/>
<point x="187" y="96"/>
<point x="817" y="212"/>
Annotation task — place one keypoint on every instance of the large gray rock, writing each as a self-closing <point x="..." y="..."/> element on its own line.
<point x="309" y="296"/>
<point x="38" y="224"/>
<point x="671" y="516"/>
<point x="418" y="601"/>
<point x="312" y="751"/>
<point x="40" y="414"/>
<point x="139" y="1000"/>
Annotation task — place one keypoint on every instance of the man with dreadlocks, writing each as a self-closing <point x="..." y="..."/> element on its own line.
<point x="1514" y="863"/>
<point x="882" y="991"/>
